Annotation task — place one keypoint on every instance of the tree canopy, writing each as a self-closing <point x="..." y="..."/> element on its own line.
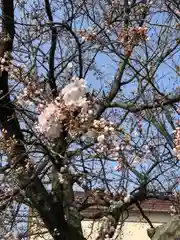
<point x="89" y="101"/>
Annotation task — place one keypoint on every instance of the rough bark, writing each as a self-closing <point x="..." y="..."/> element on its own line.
<point x="168" y="231"/>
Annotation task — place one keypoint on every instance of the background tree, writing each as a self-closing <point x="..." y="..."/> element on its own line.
<point x="113" y="140"/>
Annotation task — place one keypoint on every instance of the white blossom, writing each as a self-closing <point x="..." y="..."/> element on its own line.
<point x="106" y="129"/>
<point x="11" y="236"/>
<point x="101" y="138"/>
<point x="70" y="65"/>
<point x="74" y="94"/>
<point x="117" y="148"/>
<point x="71" y="97"/>
<point x="90" y="112"/>
<point x="127" y="199"/>
<point x="48" y="123"/>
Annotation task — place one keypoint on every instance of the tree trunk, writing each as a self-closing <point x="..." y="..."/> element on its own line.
<point x="50" y="211"/>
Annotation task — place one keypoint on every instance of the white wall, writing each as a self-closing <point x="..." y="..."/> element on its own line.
<point x="135" y="227"/>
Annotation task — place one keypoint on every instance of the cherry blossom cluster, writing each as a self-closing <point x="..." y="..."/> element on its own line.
<point x="74" y="94"/>
<point x="118" y="166"/>
<point x="129" y="155"/>
<point x="7" y="145"/>
<point x="172" y="210"/>
<point x="51" y="118"/>
<point x="87" y="35"/>
<point x="111" y="140"/>
<point x="29" y="92"/>
<point x="70" y="110"/>
<point x="105" y="133"/>
<point x="73" y="112"/>
<point x="5" y="62"/>
<point x="177" y="142"/>
<point x="108" y="139"/>
<point x="132" y="36"/>
<point x="177" y="137"/>
<point x="101" y="127"/>
<point x="11" y="236"/>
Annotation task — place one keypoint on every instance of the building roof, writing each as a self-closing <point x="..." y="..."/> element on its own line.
<point x="153" y="204"/>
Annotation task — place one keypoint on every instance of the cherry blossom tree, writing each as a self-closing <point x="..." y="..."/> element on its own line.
<point x="89" y="98"/>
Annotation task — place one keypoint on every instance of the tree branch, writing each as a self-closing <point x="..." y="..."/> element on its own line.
<point x="51" y="78"/>
<point x="50" y="211"/>
<point x="157" y="104"/>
